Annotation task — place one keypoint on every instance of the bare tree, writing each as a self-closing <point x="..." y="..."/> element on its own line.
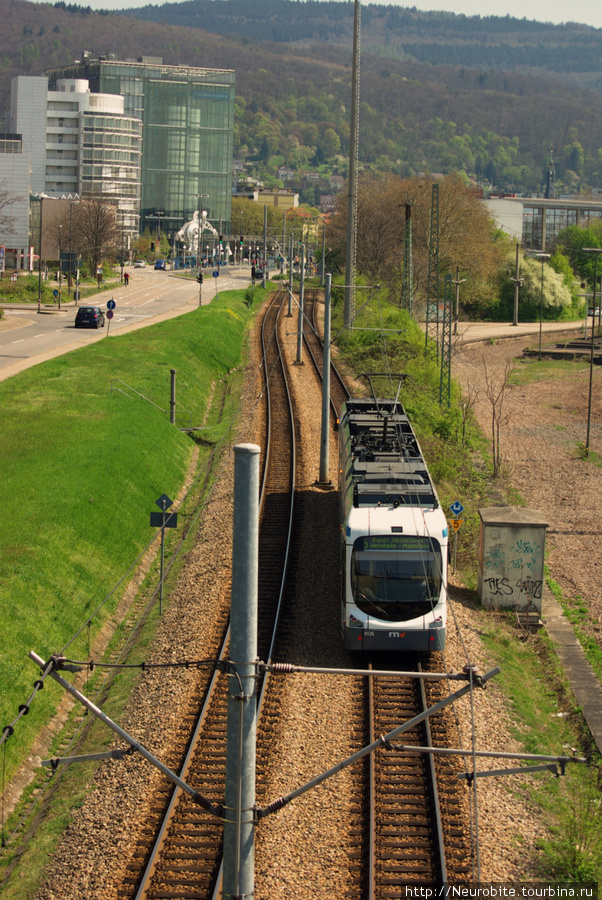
<point x="495" y="391"/>
<point x="7" y="199"/>
<point x="97" y="227"/>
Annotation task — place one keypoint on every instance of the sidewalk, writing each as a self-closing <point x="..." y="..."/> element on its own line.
<point x="470" y="332"/>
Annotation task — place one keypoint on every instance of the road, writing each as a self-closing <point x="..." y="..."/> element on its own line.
<point x="28" y="337"/>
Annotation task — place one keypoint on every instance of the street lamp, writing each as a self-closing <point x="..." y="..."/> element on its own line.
<point x="543" y="257"/>
<point x="60" y="279"/>
<point x="596" y="251"/>
<point x="70" y="274"/>
<point x="200" y="197"/>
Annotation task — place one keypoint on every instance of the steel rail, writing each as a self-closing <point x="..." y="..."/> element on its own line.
<point x="272" y="365"/>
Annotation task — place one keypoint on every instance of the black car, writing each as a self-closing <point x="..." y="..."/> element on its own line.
<point x="91" y="316"/>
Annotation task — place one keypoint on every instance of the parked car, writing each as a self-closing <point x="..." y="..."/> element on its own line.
<point x="89" y="316"/>
<point x="160" y="264"/>
<point x="139" y="264"/>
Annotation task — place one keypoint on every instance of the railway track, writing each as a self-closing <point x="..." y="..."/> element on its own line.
<point x="182" y="858"/>
<point x="338" y="389"/>
<point x="413" y="828"/>
<point x="406" y="839"/>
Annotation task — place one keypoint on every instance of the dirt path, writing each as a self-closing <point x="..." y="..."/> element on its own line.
<point x="545" y="424"/>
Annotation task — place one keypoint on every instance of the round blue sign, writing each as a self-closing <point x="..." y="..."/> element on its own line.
<point x="110" y="314"/>
<point x="216" y="274"/>
<point x="110" y="304"/>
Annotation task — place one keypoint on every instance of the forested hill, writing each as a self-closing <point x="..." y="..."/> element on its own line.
<point x="570" y="51"/>
<point x="292" y="101"/>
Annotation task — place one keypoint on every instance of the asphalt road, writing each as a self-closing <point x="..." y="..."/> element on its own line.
<point x="28" y="337"/>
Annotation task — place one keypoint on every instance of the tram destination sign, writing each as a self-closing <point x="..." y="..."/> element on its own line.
<point x="395" y="542"/>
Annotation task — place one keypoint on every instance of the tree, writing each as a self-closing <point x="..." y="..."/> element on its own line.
<point x="7" y="199"/>
<point x="465" y="233"/>
<point x="97" y="225"/>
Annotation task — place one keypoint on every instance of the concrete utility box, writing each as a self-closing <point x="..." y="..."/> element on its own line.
<point x="511" y="558"/>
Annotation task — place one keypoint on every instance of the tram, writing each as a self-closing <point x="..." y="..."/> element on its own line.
<point x="394" y="534"/>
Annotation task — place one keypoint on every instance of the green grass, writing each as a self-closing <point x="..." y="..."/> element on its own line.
<point x="546" y="721"/>
<point x="82" y="467"/>
<point x="530" y="370"/>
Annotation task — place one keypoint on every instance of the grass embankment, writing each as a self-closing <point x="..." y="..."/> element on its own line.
<point x="82" y="467"/>
<point x="547" y="719"/>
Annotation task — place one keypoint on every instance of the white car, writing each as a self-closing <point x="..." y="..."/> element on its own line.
<point x="139" y="264"/>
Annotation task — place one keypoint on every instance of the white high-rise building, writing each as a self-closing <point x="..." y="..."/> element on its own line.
<point x="79" y="144"/>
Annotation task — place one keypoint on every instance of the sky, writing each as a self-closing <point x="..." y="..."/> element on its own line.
<point x="587" y="12"/>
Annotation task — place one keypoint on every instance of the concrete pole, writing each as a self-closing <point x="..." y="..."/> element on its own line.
<point x="323" y="267"/>
<point x="239" y="831"/>
<point x="172" y="398"/>
<point x="350" y="254"/>
<point x="299" y="360"/>
<point x="290" y="278"/>
<point x="324" y="444"/>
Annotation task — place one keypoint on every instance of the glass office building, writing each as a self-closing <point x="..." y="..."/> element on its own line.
<point x="187" y="134"/>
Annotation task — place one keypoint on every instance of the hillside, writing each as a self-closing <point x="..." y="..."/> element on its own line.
<point x="293" y="100"/>
<point x="568" y="51"/>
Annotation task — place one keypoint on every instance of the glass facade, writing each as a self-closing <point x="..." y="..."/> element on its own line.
<point x="542" y="224"/>
<point x="111" y="163"/>
<point x="188" y="119"/>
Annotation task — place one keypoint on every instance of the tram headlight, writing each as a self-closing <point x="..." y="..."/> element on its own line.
<point x="355" y="623"/>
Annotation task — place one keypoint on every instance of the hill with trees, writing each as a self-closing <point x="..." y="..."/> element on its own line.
<point x="292" y="104"/>
<point x="569" y="51"/>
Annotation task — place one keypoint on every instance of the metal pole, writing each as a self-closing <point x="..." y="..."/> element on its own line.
<point x="324" y="445"/>
<point x="265" y="244"/>
<point x="239" y="834"/>
<point x="541" y="308"/>
<point x="70" y="225"/>
<point x="290" y="278"/>
<point x="283" y="240"/>
<point x="323" y="273"/>
<point x="299" y="360"/>
<point x="40" y="261"/>
<point x="591" y="361"/>
<point x="172" y="398"/>
<point x="517" y="283"/>
<point x="162" y="560"/>
<point x="350" y="253"/>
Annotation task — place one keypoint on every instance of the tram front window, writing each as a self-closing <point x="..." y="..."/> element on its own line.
<point x="396" y="587"/>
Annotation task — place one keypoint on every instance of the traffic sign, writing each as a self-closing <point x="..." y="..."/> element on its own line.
<point x="456" y="524"/>
<point x="216" y="274"/>
<point x="163" y="520"/>
<point x="457" y="508"/>
<point x="110" y="304"/>
<point x="110" y="314"/>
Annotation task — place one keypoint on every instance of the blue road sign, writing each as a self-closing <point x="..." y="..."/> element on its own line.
<point x="457" y="508"/>
<point x="110" y="314"/>
<point x="216" y="274"/>
<point x="110" y="304"/>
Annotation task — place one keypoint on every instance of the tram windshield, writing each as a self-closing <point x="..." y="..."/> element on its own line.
<point x="396" y="585"/>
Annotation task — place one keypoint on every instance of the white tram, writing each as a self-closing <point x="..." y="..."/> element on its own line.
<point x="394" y="534"/>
